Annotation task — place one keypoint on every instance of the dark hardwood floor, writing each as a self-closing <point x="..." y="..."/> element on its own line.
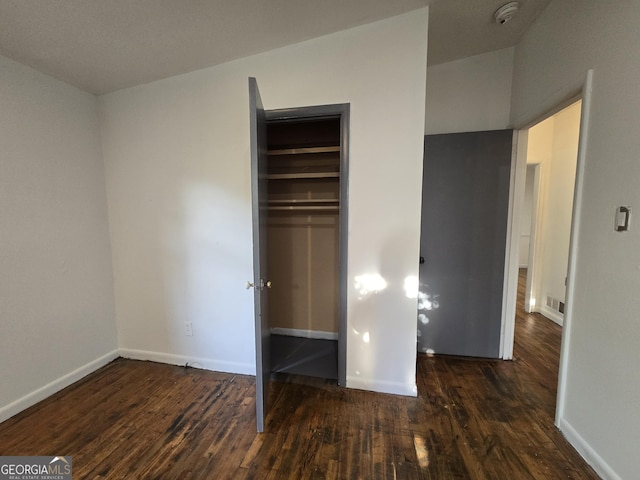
<point x="473" y="419"/>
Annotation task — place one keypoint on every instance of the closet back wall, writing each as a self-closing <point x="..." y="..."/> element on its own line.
<point x="303" y="254"/>
<point x="303" y="232"/>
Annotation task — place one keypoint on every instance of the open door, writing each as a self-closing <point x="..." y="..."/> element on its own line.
<point x="465" y="202"/>
<point x="258" y="133"/>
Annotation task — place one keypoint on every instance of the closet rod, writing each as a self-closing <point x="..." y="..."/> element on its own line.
<point x="287" y="176"/>
<point x="298" y="151"/>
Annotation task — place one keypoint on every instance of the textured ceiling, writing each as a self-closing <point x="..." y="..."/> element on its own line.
<point x="105" y="45"/>
<point x="463" y="28"/>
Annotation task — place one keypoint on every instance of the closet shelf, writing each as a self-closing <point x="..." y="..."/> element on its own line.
<point x="304" y="201"/>
<point x="306" y="204"/>
<point x="306" y="208"/>
<point x="289" y="176"/>
<point x="305" y="150"/>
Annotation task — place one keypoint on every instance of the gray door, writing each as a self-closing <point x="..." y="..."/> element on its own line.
<point x="259" y="206"/>
<point x="465" y="200"/>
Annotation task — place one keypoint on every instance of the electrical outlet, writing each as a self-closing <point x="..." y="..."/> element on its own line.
<point x="188" y="330"/>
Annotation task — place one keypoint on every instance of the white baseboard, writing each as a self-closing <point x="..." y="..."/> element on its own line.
<point x="382" y="386"/>
<point x="46" y="391"/>
<point x="295" y="332"/>
<point x="601" y="467"/>
<point x="552" y="315"/>
<point x="195" y="362"/>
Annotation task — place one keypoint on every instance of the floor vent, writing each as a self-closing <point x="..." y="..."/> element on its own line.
<point x="555" y="304"/>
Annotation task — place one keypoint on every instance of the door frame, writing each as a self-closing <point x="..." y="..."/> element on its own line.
<point x="342" y="111"/>
<point x="564" y="98"/>
<point x="534" y="238"/>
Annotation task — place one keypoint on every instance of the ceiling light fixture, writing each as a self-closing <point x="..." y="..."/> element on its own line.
<point x="506" y="12"/>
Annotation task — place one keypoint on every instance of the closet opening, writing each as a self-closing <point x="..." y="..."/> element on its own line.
<point x="306" y="250"/>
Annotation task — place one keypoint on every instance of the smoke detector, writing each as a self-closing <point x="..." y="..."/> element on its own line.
<point x="506" y="12"/>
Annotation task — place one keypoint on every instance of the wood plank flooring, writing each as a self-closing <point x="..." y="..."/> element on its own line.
<point x="473" y="419"/>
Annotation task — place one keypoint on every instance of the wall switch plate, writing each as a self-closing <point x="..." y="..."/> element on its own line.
<point x="623" y="218"/>
<point x="188" y="330"/>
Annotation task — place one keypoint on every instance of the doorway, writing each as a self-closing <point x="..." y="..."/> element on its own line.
<point x="552" y="154"/>
<point x="303" y="252"/>
<point x="517" y="194"/>
<point x="299" y="170"/>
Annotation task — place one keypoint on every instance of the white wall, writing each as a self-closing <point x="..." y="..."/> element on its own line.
<point x="525" y="218"/>
<point x="559" y="203"/>
<point x="178" y="184"/>
<point x="601" y="408"/>
<point x="562" y="170"/>
<point x="539" y="152"/>
<point x="471" y="94"/>
<point x="56" y="288"/>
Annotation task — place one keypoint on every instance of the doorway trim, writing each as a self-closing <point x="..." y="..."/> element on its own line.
<point x="534" y="237"/>
<point x="342" y="111"/>
<point x="565" y="98"/>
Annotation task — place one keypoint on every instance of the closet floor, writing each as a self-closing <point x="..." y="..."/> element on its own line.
<point x="304" y="356"/>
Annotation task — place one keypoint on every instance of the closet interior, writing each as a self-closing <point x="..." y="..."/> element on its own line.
<point x="303" y="172"/>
